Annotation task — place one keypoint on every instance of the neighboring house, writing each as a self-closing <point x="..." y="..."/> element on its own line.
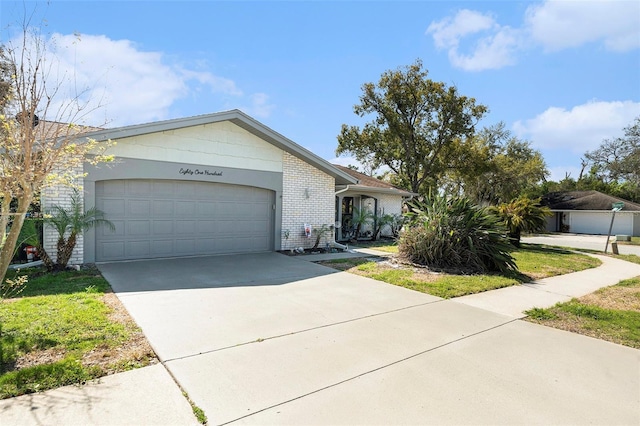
<point x="590" y="212"/>
<point x="210" y="184"/>
<point x="373" y="195"/>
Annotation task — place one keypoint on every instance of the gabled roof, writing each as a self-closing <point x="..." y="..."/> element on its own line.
<point x="238" y="118"/>
<point x="371" y="184"/>
<point x="585" y="200"/>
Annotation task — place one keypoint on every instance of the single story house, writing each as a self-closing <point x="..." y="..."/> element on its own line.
<point x="370" y="194"/>
<point x="590" y="212"/>
<point x="210" y="184"/>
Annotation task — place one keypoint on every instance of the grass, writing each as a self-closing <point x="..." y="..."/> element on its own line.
<point x="628" y="257"/>
<point x="635" y="241"/>
<point x="538" y="262"/>
<point x="65" y="328"/>
<point x="611" y="313"/>
<point x="385" y="245"/>
<point x="534" y="262"/>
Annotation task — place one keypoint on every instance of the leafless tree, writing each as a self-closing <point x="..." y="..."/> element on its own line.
<point x="39" y="130"/>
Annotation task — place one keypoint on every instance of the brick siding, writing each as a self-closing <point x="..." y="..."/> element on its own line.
<point x="60" y="195"/>
<point x="308" y="196"/>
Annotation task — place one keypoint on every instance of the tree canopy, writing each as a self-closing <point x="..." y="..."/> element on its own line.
<point x="613" y="168"/>
<point x="415" y="122"/>
<point x="495" y="167"/>
<point x="618" y="160"/>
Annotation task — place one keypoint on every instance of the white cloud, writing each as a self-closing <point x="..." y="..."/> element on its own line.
<point x="559" y="25"/>
<point x="495" y="47"/>
<point x="119" y="84"/>
<point x="448" y="32"/>
<point x="555" y="25"/>
<point x="579" y="129"/>
<point x="260" y="106"/>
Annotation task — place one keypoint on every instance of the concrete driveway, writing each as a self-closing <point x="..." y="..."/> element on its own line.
<point x="591" y="242"/>
<point x="269" y="339"/>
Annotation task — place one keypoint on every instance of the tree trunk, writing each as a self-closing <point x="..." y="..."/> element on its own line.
<point x="12" y="239"/>
<point x="67" y="250"/>
<point x="44" y="256"/>
<point x="4" y="216"/>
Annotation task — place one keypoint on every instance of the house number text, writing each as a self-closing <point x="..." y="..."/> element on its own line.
<point x="205" y="172"/>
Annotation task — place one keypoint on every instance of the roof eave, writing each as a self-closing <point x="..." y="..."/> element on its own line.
<point x="372" y="189"/>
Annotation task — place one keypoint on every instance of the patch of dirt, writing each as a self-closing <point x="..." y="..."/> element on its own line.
<point x="615" y="298"/>
<point x="134" y="352"/>
<point x="621" y="298"/>
<point x="47" y="356"/>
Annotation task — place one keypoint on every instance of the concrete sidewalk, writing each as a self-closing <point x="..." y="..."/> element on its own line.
<point x="544" y="293"/>
<point x="145" y="396"/>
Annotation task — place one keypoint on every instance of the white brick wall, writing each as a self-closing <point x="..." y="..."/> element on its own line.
<point x="308" y="196"/>
<point x="60" y="195"/>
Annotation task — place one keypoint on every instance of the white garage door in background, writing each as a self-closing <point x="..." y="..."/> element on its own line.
<point x="598" y="223"/>
<point x="167" y="218"/>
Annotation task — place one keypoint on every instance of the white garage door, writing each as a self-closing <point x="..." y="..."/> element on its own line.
<point x="598" y="223"/>
<point x="166" y="218"/>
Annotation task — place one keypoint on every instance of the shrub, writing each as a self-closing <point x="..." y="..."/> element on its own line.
<point x="453" y="233"/>
<point x="522" y="214"/>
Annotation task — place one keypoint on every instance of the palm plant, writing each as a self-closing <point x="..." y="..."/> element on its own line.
<point x="360" y="218"/>
<point x="455" y="234"/>
<point x="380" y="222"/>
<point x="68" y="223"/>
<point x="522" y="214"/>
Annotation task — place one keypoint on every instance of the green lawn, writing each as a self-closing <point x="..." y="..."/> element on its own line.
<point x="65" y="328"/>
<point x="533" y="261"/>
<point x="611" y="313"/>
<point x="384" y="245"/>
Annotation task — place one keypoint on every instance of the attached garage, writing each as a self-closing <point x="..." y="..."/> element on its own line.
<point x="590" y="212"/>
<point x="212" y="184"/>
<point x="599" y="222"/>
<point x="170" y="218"/>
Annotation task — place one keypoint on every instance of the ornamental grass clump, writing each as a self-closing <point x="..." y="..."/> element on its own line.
<point x="454" y="234"/>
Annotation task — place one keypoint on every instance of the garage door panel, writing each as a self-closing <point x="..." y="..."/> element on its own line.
<point x="139" y="187"/>
<point x="105" y="231"/>
<point x="207" y="226"/>
<point x="185" y="208"/>
<point x="161" y="188"/>
<point x="207" y="245"/>
<point x="112" y="207"/>
<point x="162" y="248"/>
<point x="138" y="249"/>
<point x="186" y="247"/>
<point x="112" y="250"/>
<point x="138" y="228"/>
<point x="185" y="190"/>
<point x="139" y="208"/>
<point x="206" y="208"/>
<point x="163" y="227"/>
<point x="163" y="208"/>
<point x="113" y="187"/>
<point x="155" y="218"/>
<point x="185" y="227"/>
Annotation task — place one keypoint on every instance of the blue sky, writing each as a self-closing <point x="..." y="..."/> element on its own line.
<point x="562" y="74"/>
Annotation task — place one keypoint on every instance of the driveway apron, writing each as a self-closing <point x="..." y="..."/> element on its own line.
<point x="270" y="339"/>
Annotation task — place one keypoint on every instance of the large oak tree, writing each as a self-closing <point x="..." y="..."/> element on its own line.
<point x="414" y="123"/>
